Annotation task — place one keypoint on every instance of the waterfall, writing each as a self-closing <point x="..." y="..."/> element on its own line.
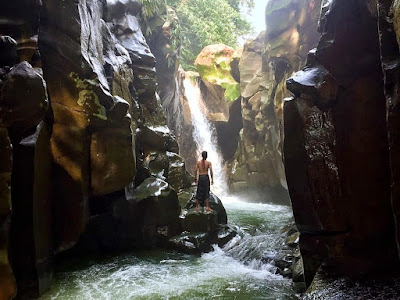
<point x="204" y="136"/>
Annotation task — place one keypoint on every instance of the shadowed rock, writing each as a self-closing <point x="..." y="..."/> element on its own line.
<point x="336" y="149"/>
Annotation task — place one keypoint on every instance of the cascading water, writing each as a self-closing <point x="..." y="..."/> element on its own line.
<point x="235" y="272"/>
<point x="204" y="136"/>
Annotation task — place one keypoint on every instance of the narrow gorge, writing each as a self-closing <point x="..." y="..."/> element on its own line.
<point x="104" y="112"/>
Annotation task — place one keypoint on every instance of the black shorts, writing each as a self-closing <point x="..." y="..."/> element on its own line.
<point x="203" y="189"/>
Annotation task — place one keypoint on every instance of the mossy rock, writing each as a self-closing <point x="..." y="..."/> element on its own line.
<point x="214" y="66"/>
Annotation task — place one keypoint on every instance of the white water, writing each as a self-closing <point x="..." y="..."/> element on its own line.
<point x="204" y="137"/>
<point x="234" y="272"/>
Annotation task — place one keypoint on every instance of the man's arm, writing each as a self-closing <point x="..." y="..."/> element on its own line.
<point x="211" y="173"/>
<point x="195" y="172"/>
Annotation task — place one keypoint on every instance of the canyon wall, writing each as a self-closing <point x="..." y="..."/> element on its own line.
<point x="341" y="167"/>
<point x="264" y="66"/>
<point x="87" y="160"/>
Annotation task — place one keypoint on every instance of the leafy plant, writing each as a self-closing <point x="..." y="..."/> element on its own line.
<point x="205" y="22"/>
<point x="151" y="8"/>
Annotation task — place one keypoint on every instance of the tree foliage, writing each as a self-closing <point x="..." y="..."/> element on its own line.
<point x="151" y="8"/>
<point x="206" y="22"/>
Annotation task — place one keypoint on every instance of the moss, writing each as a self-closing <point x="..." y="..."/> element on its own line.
<point x="218" y="72"/>
<point x="88" y="97"/>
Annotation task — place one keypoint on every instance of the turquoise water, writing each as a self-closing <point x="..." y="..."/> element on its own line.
<point x="234" y="272"/>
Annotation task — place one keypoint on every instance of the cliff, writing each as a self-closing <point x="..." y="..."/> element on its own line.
<point x="340" y="142"/>
<point x="264" y="66"/>
<point x="83" y="135"/>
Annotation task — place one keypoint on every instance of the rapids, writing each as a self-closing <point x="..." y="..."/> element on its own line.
<point x="234" y="272"/>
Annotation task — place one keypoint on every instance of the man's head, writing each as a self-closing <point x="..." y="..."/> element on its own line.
<point x="204" y="155"/>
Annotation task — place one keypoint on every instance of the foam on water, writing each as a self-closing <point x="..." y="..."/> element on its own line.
<point x="236" y="271"/>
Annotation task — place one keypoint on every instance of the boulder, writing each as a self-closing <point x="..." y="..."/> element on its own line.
<point x="8" y="51"/>
<point x="202" y="229"/>
<point x="23" y="99"/>
<point x="213" y="65"/>
<point x="215" y="204"/>
<point x="192" y="243"/>
<point x="194" y="221"/>
<point x="112" y="160"/>
<point x="157" y="202"/>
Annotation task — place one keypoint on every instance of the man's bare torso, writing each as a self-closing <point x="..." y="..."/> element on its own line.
<point x="203" y="171"/>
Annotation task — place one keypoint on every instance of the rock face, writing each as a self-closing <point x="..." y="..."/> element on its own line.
<point x="202" y="229"/>
<point x="336" y="144"/>
<point x="389" y="25"/>
<point x="213" y="65"/>
<point x="88" y="155"/>
<point x="264" y="66"/>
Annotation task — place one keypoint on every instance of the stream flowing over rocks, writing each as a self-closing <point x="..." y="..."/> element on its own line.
<point x="100" y="129"/>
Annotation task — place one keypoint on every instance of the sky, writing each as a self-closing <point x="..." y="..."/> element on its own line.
<point x="257" y="19"/>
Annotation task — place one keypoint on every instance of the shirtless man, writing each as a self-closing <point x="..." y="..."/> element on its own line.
<point x="203" y="183"/>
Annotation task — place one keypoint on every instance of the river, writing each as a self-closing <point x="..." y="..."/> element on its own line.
<point x="234" y="272"/>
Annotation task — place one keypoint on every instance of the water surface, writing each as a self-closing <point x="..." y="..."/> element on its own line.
<point x="234" y="272"/>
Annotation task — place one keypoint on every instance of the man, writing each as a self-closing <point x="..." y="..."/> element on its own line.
<point x="203" y="183"/>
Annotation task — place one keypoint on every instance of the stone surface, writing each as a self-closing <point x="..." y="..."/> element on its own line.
<point x="336" y="148"/>
<point x="389" y="38"/>
<point x="265" y="64"/>
<point x="213" y="65"/>
<point x="199" y="221"/>
<point x="202" y="229"/>
<point x="8" y="286"/>
<point x="23" y="99"/>
<point x="79" y="160"/>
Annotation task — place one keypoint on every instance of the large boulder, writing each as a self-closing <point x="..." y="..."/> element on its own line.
<point x="200" y="228"/>
<point x="23" y="99"/>
<point x="213" y="65"/>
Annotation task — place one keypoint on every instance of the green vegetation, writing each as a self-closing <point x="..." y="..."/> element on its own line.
<point x="151" y="8"/>
<point x="201" y="23"/>
<point x="206" y="22"/>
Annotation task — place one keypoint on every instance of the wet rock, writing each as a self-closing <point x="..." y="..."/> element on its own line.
<point x="8" y="286"/>
<point x="157" y="202"/>
<point x="199" y="221"/>
<point x="389" y="45"/>
<point x="8" y="51"/>
<point x="192" y="243"/>
<point x="297" y="271"/>
<point x="215" y="204"/>
<point x="23" y="99"/>
<point x="293" y="240"/>
<point x="338" y="107"/>
<point x="225" y="234"/>
<point x="202" y="229"/>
